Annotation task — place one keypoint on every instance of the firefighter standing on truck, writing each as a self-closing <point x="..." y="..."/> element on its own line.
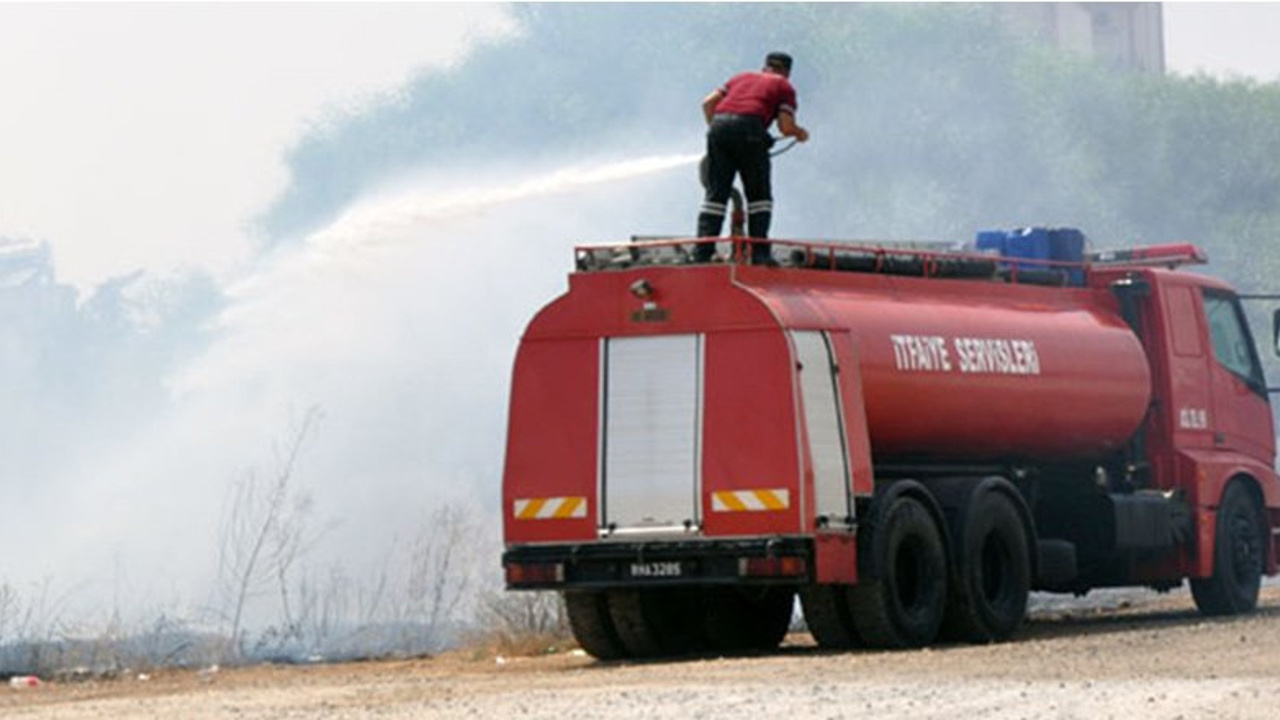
<point x="738" y="142"/>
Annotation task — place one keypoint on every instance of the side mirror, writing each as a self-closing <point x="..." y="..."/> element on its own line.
<point x="1275" y="332"/>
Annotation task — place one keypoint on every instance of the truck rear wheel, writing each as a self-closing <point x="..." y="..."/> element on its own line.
<point x="903" y="606"/>
<point x="992" y="579"/>
<point x="592" y="627"/>
<point x="749" y="618"/>
<point x="658" y="622"/>
<point x="1238" y="547"/>
<point x="826" y="612"/>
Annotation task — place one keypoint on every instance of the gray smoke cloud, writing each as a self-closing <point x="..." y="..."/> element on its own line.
<point x="399" y="321"/>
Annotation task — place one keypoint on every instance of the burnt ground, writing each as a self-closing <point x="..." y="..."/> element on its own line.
<point x="1148" y="657"/>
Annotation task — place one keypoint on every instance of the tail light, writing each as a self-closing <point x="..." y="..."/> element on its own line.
<point x="535" y="573"/>
<point x="784" y="566"/>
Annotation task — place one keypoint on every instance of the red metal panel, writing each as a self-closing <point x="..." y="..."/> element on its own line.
<point x="1187" y="402"/>
<point x="553" y="431"/>
<point x="1241" y="417"/>
<point x="680" y="300"/>
<point x="552" y="437"/>
<point x="836" y="558"/>
<point x="1201" y="410"/>
<point x="1177" y="366"/>
<point x="1184" y="321"/>
<point x="1072" y="380"/>
<point x="854" y="410"/>
<point x="749" y="430"/>
<point x="1205" y="475"/>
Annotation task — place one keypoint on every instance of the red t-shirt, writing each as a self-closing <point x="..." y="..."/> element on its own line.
<point x="757" y="93"/>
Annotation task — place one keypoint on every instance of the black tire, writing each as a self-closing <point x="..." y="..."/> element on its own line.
<point x="592" y="626"/>
<point x="748" y="619"/>
<point x="659" y="622"/>
<point x="902" y="606"/>
<point x="1239" y="554"/>
<point x="991" y="579"/>
<point x="826" y="612"/>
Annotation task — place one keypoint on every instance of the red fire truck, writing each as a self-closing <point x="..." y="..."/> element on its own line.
<point x="909" y="439"/>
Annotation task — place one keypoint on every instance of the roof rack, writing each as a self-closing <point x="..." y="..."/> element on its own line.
<point x="929" y="259"/>
<point x="910" y="257"/>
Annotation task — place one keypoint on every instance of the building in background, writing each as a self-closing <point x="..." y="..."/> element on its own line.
<point x="1124" y="35"/>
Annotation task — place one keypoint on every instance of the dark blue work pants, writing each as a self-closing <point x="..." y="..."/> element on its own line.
<point x="737" y="145"/>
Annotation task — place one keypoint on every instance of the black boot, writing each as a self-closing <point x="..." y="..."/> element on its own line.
<point x="708" y="227"/>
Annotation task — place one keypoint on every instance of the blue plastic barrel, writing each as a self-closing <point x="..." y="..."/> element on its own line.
<point x="992" y="241"/>
<point x="1030" y="243"/>
<point x="1067" y="245"/>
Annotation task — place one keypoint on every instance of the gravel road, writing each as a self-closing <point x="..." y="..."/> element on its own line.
<point x="1151" y="658"/>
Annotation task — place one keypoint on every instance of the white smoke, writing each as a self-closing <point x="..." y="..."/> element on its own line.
<point x="375" y="238"/>
<point x="400" y="322"/>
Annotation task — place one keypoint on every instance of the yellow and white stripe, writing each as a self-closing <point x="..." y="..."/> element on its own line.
<point x="552" y="508"/>
<point x="764" y="500"/>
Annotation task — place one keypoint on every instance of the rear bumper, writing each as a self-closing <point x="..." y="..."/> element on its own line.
<point x="607" y="564"/>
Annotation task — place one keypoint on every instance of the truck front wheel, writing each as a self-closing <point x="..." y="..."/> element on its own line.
<point x="1238" y="547"/>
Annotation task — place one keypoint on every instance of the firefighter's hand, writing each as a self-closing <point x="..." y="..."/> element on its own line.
<point x="787" y="124"/>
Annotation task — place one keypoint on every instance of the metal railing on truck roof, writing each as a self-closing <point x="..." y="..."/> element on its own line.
<point x="910" y="258"/>
<point x="926" y="259"/>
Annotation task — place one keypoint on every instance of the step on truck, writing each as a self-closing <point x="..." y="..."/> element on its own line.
<point x="907" y="439"/>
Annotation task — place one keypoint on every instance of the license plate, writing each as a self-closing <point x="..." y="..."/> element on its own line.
<point x="656" y="570"/>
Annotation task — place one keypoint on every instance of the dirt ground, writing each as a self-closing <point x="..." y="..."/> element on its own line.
<point x="1149" y="658"/>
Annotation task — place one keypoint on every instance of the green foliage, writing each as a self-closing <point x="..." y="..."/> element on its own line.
<point x="928" y="120"/>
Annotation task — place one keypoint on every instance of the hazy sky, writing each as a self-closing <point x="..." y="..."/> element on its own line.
<point x="1223" y="39"/>
<point x="151" y="135"/>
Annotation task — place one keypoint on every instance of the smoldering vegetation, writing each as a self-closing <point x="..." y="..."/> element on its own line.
<point x="304" y="460"/>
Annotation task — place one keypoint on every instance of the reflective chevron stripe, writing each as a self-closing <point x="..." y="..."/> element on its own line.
<point x="750" y="500"/>
<point x="554" y="508"/>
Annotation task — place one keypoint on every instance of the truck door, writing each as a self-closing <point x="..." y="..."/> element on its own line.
<point x="824" y="420"/>
<point x="1241" y="411"/>
<point x="651" y="431"/>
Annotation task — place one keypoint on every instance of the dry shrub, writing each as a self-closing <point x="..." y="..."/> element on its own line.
<point x="522" y="623"/>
